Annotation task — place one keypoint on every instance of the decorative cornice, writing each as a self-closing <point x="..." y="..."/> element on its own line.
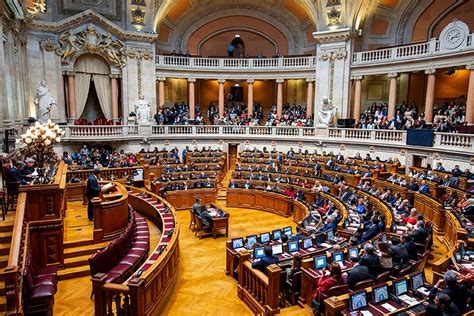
<point x="90" y="16"/>
<point x="332" y="36"/>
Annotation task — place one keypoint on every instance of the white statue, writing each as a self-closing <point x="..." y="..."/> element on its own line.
<point x="327" y="111"/>
<point x="143" y="110"/>
<point x="44" y="101"/>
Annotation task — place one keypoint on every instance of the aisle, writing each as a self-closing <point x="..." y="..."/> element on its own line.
<point x="203" y="288"/>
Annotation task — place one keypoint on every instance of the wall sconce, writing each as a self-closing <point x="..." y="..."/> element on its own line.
<point x="334" y="18"/>
<point x="138" y="17"/>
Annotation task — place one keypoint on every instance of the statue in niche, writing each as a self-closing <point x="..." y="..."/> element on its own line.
<point x="327" y="111"/>
<point x="44" y="101"/>
<point x="143" y="110"/>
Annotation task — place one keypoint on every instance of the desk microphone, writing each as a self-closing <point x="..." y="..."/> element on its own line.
<point x="394" y="298"/>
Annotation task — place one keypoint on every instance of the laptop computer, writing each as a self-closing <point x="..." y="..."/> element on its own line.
<point x="308" y="244"/>
<point x="276" y="234"/>
<point x="358" y="300"/>
<point x="277" y="249"/>
<point x="251" y="241"/>
<point x="338" y="257"/>
<point x="264" y="238"/>
<point x="287" y="230"/>
<point x="380" y="294"/>
<point x="353" y="252"/>
<point x="238" y="244"/>
<point x="320" y="262"/>
<point x="417" y="282"/>
<point x="258" y="253"/>
<point x="293" y="246"/>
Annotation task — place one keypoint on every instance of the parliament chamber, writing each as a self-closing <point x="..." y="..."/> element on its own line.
<point x="233" y="157"/>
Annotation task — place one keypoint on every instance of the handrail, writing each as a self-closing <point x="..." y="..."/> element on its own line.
<point x="17" y="235"/>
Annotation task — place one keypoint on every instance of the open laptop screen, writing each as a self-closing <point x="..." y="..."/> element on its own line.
<point x="380" y="294"/>
<point x="237" y="243"/>
<point x="358" y="300"/>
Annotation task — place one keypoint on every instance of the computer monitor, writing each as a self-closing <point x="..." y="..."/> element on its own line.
<point x="417" y="280"/>
<point x="277" y="249"/>
<point x="354" y="252"/>
<point x="400" y="287"/>
<point x="276" y="234"/>
<point x="265" y="237"/>
<point x="357" y="300"/>
<point x="293" y="246"/>
<point x="330" y="234"/>
<point x="287" y="231"/>
<point x="237" y="243"/>
<point x="338" y="257"/>
<point x="258" y="253"/>
<point x="307" y="243"/>
<point x="380" y="293"/>
<point x="320" y="262"/>
<point x="320" y="238"/>
<point x="251" y="240"/>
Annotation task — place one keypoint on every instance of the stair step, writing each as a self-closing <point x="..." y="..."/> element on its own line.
<point x="83" y="250"/>
<point x="78" y="243"/>
<point x="4" y="261"/>
<point x="6" y="237"/>
<point x="78" y="261"/>
<point x="74" y="272"/>
<point x="6" y="226"/>
<point x="5" y="249"/>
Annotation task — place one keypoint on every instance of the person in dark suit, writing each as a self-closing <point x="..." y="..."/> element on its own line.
<point x="458" y="293"/>
<point x="371" y="230"/>
<point x="424" y="188"/>
<point x="442" y="305"/>
<point x="420" y="234"/>
<point x="205" y="217"/>
<point x="409" y="246"/>
<point x="400" y="255"/>
<point x="357" y="273"/>
<point x="92" y="191"/>
<point x="15" y="174"/>
<point x="265" y="261"/>
<point x="370" y="260"/>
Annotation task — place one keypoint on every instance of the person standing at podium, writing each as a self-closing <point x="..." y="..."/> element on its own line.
<point x="92" y="191"/>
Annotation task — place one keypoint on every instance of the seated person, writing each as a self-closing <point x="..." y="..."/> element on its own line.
<point x="206" y="218"/>
<point x="370" y="260"/>
<point x="30" y="166"/>
<point x="409" y="246"/>
<point x="400" y="256"/>
<point x="420" y="234"/>
<point x="295" y="267"/>
<point x="265" y="261"/>
<point x="459" y="292"/>
<point x="15" y="174"/>
<point x="356" y="274"/>
<point x="424" y="188"/>
<point x="233" y="184"/>
<point x="330" y="278"/>
<point x="442" y="305"/>
<point x="371" y="230"/>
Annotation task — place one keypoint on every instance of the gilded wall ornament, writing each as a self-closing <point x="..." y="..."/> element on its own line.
<point x="90" y="41"/>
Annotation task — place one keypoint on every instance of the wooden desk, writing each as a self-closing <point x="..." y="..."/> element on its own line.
<point x="220" y="223"/>
<point x="261" y="200"/>
<point x="184" y="199"/>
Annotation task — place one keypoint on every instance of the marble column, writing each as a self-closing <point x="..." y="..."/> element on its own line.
<point x="115" y="101"/>
<point x="71" y="95"/>
<point x="250" y="83"/>
<point x="192" y="98"/>
<point x="221" y="97"/>
<point x="310" y="97"/>
<point x="161" y="92"/>
<point x="430" y="91"/>
<point x="279" y="97"/>
<point x="392" y="97"/>
<point x="470" y="96"/>
<point x="357" y="96"/>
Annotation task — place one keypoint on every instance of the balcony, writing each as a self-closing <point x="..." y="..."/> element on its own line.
<point x="461" y="143"/>
<point x="236" y="68"/>
<point x="414" y="57"/>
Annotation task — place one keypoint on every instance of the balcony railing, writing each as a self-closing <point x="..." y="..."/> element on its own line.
<point x="236" y="64"/>
<point x="448" y="141"/>
<point x="403" y="53"/>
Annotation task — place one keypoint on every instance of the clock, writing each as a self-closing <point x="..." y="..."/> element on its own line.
<point x="453" y="36"/>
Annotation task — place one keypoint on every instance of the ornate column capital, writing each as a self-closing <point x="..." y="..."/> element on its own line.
<point x="279" y="81"/>
<point x="221" y="81"/>
<point x="191" y="80"/>
<point x="114" y="76"/>
<point x="470" y="67"/>
<point x="250" y="81"/>
<point x="392" y="75"/>
<point x="70" y="73"/>
<point x="310" y="80"/>
<point x="430" y="71"/>
<point x="359" y="77"/>
<point x="161" y="79"/>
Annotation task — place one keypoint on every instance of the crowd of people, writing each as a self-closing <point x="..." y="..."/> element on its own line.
<point x="446" y="117"/>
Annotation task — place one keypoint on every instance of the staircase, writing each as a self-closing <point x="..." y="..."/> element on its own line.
<point x="6" y="229"/>
<point x="222" y="193"/>
<point x="76" y="255"/>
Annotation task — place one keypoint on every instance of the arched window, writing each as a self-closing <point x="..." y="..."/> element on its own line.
<point x="236" y="48"/>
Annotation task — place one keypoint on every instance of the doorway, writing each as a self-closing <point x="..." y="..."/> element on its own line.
<point x="239" y="47"/>
<point x="232" y="155"/>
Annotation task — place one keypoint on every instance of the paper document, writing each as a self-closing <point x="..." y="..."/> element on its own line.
<point x="366" y="313"/>
<point x="389" y="307"/>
